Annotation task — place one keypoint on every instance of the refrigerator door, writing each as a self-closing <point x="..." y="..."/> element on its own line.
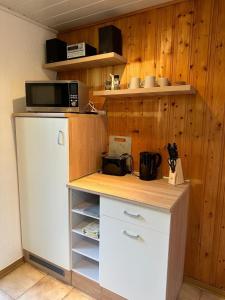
<point x="42" y="153"/>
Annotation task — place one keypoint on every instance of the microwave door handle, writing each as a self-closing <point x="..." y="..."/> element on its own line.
<point x="60" y="137"/>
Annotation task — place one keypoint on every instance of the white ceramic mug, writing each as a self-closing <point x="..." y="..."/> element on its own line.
<point x="149" y="81"/>
<point x="135" y="83"/>
<point x="163" y="81"/>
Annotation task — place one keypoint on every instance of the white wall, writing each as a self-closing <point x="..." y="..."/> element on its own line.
<point x="21" y="56"/>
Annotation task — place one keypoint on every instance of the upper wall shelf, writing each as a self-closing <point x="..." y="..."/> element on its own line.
<point x="147" y="92"/>
<point x="100" y="60"/>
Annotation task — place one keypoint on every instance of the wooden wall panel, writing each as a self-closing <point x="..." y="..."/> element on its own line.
<point x="212" y="242"/>
<point x="164" y="44"/>
<point x="199" y="78"/>
<point x="183" y="41"/>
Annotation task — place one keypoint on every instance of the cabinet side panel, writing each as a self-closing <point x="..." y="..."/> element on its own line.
<point x="86" y="285"/>
<point x="108" y="295"/>
<point x="87" y="136"/>
<point x="178" y="229"/>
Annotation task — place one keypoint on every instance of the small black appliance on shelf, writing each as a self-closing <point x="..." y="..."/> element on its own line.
<point x="115" y="164"/>
<point x="110" y="40"/>
<point x="149" y="163"/>
<point x="55" y="50"/>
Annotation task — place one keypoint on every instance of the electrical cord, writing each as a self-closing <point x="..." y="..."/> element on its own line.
<point x="92" y="107"/>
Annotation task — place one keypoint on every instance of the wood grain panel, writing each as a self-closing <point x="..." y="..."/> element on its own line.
<point x="90" y="131"/>
<point x="86" y="285"/>
<point x="182" y="41"/>
<point x="214" y="210"/>
<point x="177" y="246"/>
<point x="199" y="75"/>
<point x="214" y="120"/>
<point x="165" y="33"/>
<point x="156" y="194"/>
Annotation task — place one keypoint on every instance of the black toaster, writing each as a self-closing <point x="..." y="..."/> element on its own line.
<point x="115" y="164"/>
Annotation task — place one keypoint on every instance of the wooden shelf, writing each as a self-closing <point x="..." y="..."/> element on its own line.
<point x="100" y="60"/>
<point x="147" y="92"/>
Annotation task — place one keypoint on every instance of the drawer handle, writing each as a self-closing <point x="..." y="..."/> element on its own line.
<point x="131" y="214"/>
<point x="133" y="236"/>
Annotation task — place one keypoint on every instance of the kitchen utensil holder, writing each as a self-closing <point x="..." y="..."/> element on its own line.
<point x="177" y="177"/>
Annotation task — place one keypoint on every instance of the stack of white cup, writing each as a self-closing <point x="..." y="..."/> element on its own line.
<point x="148" y="82"/>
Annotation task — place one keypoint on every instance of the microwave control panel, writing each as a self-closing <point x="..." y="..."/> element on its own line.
<point x="73" y="95"/>
<point x="74" y="100"/>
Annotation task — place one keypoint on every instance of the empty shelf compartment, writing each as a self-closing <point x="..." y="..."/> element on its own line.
<point x="87" y="268"/>
<point x="86" y="247"/>
<point x="90" y="209"/>
<point x="86" y="204"/>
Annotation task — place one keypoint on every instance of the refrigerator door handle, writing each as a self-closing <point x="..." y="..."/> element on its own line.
<point x="60" y="137"/>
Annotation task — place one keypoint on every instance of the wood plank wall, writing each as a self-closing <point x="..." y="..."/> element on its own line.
<point x="183" y="41"/>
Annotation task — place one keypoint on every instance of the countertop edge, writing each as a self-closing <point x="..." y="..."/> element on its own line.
<point x="158" y="208"/>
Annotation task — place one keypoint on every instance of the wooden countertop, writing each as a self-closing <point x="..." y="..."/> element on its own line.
<point x="157" y="193"/>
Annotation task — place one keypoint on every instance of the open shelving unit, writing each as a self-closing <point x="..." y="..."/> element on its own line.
<point x="78" y="228"/>
<point x="147" y="92"/>
<point x="85" y="248"/>
<point x="88" y="248"/>
<point x="94" y="61"/>
<point x="87" y="209"/>
<point x="87" y="268"/>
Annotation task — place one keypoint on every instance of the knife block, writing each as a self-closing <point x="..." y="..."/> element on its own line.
<point x="177" y="177"/>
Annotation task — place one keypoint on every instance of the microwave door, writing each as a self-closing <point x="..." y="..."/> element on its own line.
<point x="47" y="95"/>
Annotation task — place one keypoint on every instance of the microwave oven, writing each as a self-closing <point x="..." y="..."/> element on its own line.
<point x="56" y="96"/>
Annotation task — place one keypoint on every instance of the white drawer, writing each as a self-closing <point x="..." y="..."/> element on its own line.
<point x="133" y="260"/>
<point x="135" y="214"/>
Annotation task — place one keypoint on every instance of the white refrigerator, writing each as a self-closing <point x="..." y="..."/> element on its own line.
<point x="43" y="167"/>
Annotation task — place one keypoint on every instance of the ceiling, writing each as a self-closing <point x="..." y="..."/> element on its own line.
<point x="65" y="14"/>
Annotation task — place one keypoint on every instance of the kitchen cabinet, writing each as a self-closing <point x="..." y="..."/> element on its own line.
<point x="140" y="252"/>
<point x="133" y="260"/>
<point x="136" y="214"/>
<point x="50" y="151"/>
<point x="139" y="238"/>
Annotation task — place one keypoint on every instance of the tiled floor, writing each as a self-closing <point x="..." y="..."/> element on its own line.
<point x="28" y="283"/>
